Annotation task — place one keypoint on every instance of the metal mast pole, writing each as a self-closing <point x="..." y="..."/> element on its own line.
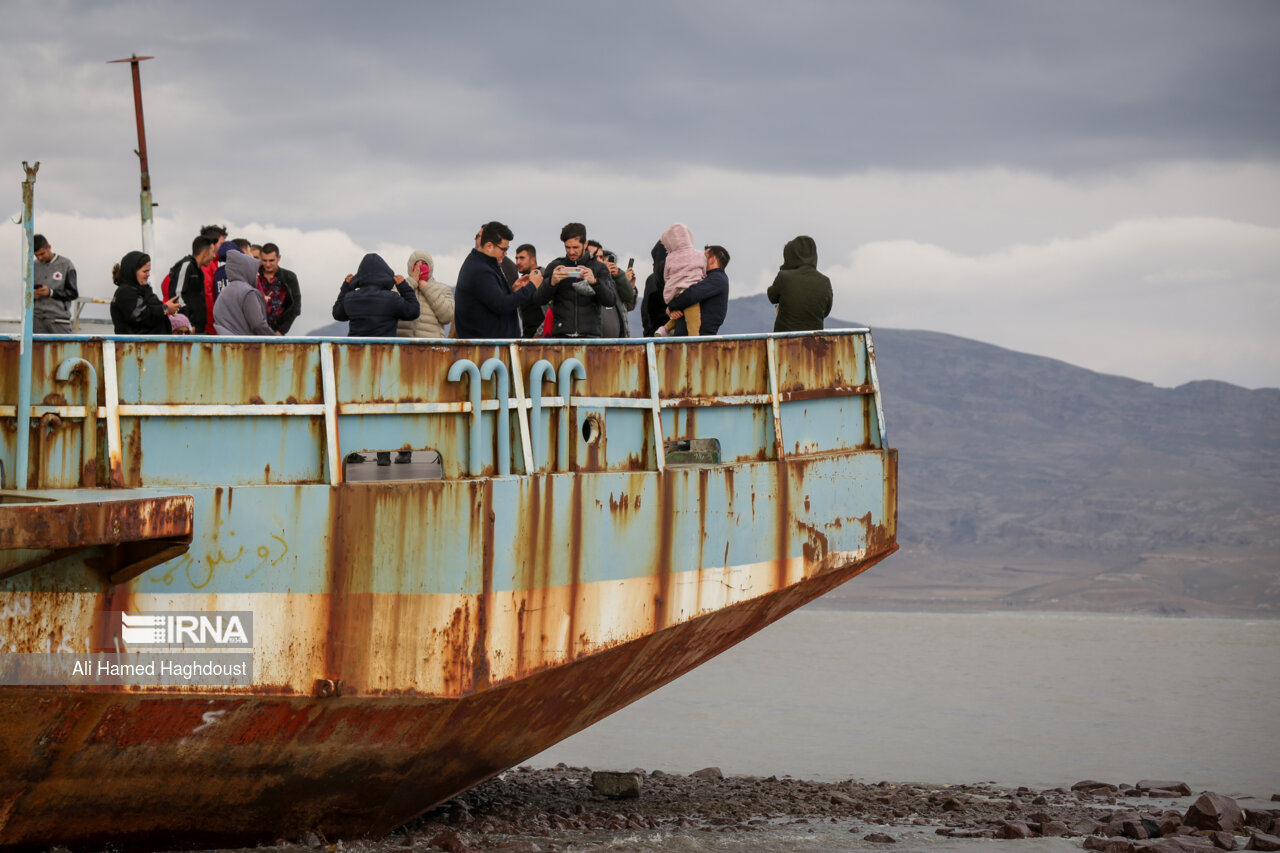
<point x="148" y="224"/>
<point x="23" y="413"/>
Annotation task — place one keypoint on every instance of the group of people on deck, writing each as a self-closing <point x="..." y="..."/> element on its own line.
<point x="233" y="287"/>
<point x="581" y="294"/>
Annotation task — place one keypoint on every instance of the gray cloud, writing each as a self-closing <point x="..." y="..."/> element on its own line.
<point x="816" y="88"/>
<point x="970" y="127"/>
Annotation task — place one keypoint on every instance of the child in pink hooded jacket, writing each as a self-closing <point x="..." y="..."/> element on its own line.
<point x="686" y="265"/>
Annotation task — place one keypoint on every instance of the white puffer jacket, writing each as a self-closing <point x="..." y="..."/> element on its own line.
<point x="435" y="298"/>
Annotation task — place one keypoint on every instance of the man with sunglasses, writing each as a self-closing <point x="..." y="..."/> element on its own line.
<point x="485" y="304"/>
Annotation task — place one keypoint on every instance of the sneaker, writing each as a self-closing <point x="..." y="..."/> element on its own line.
<point x="384" y="458"/>
<point x="354" y="459"/>
<point x="404" y="457"/>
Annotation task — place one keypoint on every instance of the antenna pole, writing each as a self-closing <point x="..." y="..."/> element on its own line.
<point x="145" y="201"/>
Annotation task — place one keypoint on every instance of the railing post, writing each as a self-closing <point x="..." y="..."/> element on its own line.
<point x="522" y="404"/>
<point x="875" y="383"/>
<point x="329" y="388"/>
<point x="771" y="348"/>
<point x="23" y="413"/>
<point x="111" y="396"/>
<point x="655" y="399"/>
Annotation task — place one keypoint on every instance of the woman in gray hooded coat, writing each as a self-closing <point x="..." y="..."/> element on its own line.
<point x="434" y="298"/>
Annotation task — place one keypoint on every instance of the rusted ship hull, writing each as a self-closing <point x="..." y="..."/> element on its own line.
<point x="346" y="767"/>
<point x="411" y="638"/>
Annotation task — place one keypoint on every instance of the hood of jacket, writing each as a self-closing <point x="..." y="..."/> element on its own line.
<point x="800" y="252"/>
<point x="659" y="255"/>
<point x="677" y="237"/>
<point x="373" y="272"/>
<point x="129" y="267"/>
<point x="426" y="258"/>
<point x="242" y="267"/>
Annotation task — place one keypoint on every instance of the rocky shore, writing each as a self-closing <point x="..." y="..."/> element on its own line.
<point x="572" y="808"/>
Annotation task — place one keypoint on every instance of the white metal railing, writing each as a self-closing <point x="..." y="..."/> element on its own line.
<point x="522" y="403"/>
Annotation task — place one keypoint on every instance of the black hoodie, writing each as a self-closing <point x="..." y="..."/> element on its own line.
<point x="653" y="310"/>
<point x="370" y="304"/>
<point x="135" y="308"/>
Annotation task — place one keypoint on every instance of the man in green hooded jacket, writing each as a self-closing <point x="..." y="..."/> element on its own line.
<point x="802" y="294"/>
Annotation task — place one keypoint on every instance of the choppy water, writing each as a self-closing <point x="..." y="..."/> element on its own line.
<point x="1021" y="699"/>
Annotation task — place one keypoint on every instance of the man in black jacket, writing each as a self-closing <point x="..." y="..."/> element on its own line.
<point x="484" y="303"/>
<point x="186" y="279"/>
<point x="531" y="316"/>
<point x="280" y="290"/>
<point x="712" y="293"/>
<point x="577" y="286"/>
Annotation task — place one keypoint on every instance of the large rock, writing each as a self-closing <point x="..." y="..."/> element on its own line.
<point x="1180" y="789"/>
<point x="1214" y="811"/>
<point x="1091" y="786"/>
<point x="449" y="841"/>
<point x="707" y="773"/>
<point x="1268" y="820"/>
<point x="618" y="786"/>
<point x="1108" y="845"/>
<point x="1177" y="844"/>
<point x="1014" y="829"/>
<point x="1263" y="841"/>
<point x="1223" y="840"/>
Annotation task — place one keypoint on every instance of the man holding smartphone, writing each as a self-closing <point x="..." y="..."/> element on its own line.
<point x="578" y="287"/>
<point x="55" y="290"/>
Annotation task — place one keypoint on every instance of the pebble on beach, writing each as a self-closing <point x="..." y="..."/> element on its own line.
<point x="528" y="809"/>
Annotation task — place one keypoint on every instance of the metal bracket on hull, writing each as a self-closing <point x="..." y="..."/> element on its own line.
<point x="135" y="533"/>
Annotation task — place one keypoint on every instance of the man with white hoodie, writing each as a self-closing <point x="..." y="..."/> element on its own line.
<point x="240" y="309"/>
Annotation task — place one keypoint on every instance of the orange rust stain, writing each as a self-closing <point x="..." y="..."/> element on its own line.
<point x="271" y="723"/>
<point x="575" y="559"/>
<point x="157" y="721"/>
<point x="484" y="604"/>
<point x="133" y="447"/>
<point x="782" y="484"/>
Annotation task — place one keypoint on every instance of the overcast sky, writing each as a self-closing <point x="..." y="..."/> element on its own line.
<point x="1093" y="181"/>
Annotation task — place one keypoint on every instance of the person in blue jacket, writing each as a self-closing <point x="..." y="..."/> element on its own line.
<point x="373" y="301"/>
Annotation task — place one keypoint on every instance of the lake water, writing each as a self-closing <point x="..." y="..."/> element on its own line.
<point x="1031" y="699"/>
